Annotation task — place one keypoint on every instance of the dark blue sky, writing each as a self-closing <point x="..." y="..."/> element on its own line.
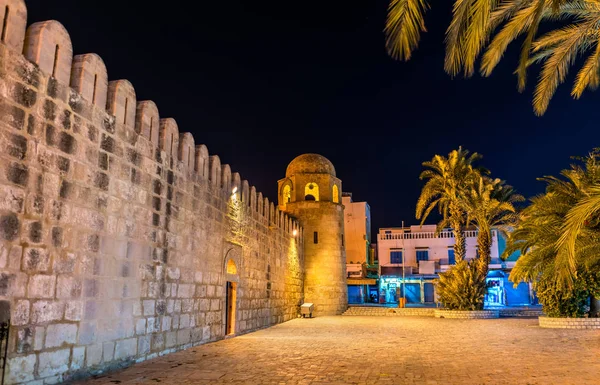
<point x="260" y="82"/>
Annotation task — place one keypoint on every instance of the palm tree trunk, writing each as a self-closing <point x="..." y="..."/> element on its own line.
<point x="457" y="223"/>
<point x="484" y="243"/>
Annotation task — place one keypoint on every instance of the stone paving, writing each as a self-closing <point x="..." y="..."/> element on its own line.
<point x="382" y="350"/>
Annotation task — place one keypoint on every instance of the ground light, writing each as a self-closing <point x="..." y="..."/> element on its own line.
<point x="295" y="232"/>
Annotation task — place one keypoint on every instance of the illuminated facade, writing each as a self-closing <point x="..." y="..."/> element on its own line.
<point x="416" y="255"/>
<point x="310" y="193"/>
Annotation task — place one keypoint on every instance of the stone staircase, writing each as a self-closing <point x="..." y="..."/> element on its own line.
<point x="429" y="311"/>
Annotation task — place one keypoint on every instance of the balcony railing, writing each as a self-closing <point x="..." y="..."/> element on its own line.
<point x="428" y="235"/>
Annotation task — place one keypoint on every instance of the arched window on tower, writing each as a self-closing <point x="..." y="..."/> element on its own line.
<point x="335" y="194"/>
<point x="286" y="194"/>
<point x="311" y="192"/>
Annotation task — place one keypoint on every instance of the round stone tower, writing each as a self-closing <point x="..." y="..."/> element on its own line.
<point x="311" y="193"/>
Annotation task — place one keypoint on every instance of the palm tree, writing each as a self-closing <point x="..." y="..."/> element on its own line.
<point x="489" y="203"/>
<point x="447" y="181"/>
<point x="551" y="255"/>
<point x="475" y="21"/>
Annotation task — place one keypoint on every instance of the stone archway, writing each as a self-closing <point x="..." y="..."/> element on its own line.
<point x="231" y="271"/>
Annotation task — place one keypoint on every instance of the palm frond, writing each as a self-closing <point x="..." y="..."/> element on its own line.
<point x="575" y="221"/>
<point x="520" y="22"/>
<point x="557" y="65"/>
<point x="521" y="71"/>
<point x="589" y="75"/>
<point x="404" y="24"/>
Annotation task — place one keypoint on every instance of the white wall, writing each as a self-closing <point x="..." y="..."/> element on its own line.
<point x="424" y="238"/>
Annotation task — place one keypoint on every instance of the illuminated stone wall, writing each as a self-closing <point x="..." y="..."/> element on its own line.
<point x="115" y="229"/>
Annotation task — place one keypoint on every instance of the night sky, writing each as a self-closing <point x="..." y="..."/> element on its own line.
<point x="260" y="82"/>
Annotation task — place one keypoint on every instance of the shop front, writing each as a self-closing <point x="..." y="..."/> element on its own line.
<point x="362" y="290"/>
<point x="416" y="289"/>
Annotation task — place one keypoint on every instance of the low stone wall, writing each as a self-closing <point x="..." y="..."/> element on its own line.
<point x="569" y="323"/>
<point x="466" y="314"/>
<point x="521" y="312"/>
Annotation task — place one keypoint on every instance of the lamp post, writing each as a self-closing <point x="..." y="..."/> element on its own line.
<point x="403" y="276"/>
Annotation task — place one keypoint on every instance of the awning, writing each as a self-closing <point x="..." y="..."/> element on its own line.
<point x="362" y="281"/>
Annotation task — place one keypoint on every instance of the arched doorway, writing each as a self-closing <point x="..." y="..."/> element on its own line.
<point x="231" y="269"/>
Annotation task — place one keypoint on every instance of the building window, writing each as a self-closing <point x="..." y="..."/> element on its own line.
<point x="395" y="256"/>
<point x="422" y="255"/>
<point x="287" y="194"/>
<point x="311" y="192"/>
<point x="451" y="258"/>
<point x="342" y="239"/>
<point x="316" y="237"/>
<point x="335" y="194"/>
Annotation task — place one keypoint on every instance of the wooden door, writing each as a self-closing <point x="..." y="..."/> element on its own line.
<point x="230" y="308"/>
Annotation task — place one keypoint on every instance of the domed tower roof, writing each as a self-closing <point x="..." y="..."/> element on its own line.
<point x="310" y="164"/>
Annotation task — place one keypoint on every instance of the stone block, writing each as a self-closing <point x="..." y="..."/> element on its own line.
<point x="20" y="313"/>
<point x="149" y="307"/>
<point x="184" y="321"/>
<point x="78" y="358"/>
<point x="158" y="342"/>
<point x="25" y="340"/>
<point x="55" y="362"/>
<point x="171" y="339"/>
<point x="183" y="337"/>
<point x="4" y="249"/>
<point x="93" y="355"/>
<point x="91" y="310"/>
<point x="41" y="286"/>
<point x="40" y="332"/>
<point x="137" y="308"/>
<point x="173" y="273"/>
<point x="9" y="226"/>
<point x="166" y="323"/>
<point x="126" y="348"/>
<point x="14" y="258"/>
<point x="58" y="335"/>
<point x="46" y="311"/>
<point x="36" y="259"/>
<point x="74" y="310"/>
<point x="144" y="343"/>
<point x="108" y="351"/>
<point x="140" y="326"/>
<point x="153" y="325"/>
<point x="20" y="369"/>
<point x="64" y="263"/>
<point x="68" y="287"/>
<point x="87" y="333"/>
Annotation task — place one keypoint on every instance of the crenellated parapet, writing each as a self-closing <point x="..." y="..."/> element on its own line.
<point x="48" y="45"/>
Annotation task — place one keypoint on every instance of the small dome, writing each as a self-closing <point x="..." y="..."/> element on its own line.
<point x="310" y="164"/>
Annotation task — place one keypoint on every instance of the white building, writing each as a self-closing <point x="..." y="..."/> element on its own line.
<point x="416" y="255"/>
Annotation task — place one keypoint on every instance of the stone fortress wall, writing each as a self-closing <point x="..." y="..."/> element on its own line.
<point x="117" y="233"/>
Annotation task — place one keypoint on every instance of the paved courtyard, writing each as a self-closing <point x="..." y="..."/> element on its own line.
<point x="382" y="350"/>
